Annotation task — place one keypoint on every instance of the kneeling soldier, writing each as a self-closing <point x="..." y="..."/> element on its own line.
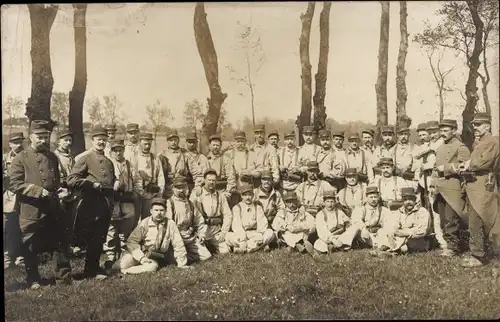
<point x="149" y="242"/>
<point x="188" y="219"/>
<point x="353" y="195"/>
<point x="389" y="186"/>
<point x="311" y="191"/>
<point x="294" y="225"/>
<point x="331" y="224"/>
<point x="250" y="227"/>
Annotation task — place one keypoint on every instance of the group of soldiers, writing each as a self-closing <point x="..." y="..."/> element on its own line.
<point x="144" y="210"/>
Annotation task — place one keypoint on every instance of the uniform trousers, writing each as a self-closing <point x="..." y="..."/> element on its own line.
<point x="451" y="224"/>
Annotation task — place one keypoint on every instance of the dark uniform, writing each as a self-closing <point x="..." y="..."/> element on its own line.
<point x="94" y="210"/>
<point x="41" y="220"/>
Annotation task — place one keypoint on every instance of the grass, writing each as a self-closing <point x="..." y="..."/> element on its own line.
<point x="275" y="285"/>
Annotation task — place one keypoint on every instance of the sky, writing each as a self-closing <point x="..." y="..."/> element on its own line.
<point x="144" y="52"/>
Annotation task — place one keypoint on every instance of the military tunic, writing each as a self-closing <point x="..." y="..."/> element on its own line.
<point x="289" y="159"/>
<point x="352" y="196"/>
<point x="293" y="226"/>
<point x="311" y="193"/>
<point x="331" y="225"/>
<point x="271" y="202"/>
<point x="197" y="164"/>
<point x="308" y="152"/>
<point x="329" y="164"/>
<point x="265" y="157"/>
<point x="11" y="230"/>
<point x="223" y="165"/>
<point x="131" y="150"/>
<point x="359" y="160"/>
<point x="370" y="225"/>
<point x="416" y="222"/>
<point x="175" y="164"/>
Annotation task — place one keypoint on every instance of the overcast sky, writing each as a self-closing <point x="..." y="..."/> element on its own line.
<point x="144" y="53"/>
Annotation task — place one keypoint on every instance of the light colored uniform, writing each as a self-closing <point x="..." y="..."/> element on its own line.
<point x="382" y="151"/>
<point x="214" y="208"/>
<point x="66" y="163"/>
<point x="403" y="160"/>
<point x="416" y="222"/>
<point x="149" y="236"/>
<point x="359" y="160"/>
<point x="329" y="164"/>
<point x="107" y="150"/>
<point x="352" y="196"/>
<point x="174" y="164"/>
<point x="190" y="223"/>
<point x="223" y="165"/>
<point x="197" y="164"/>
<point x="308" y="152"/>
<point x="311" y="193"/>
<point x="289" y="158"/>
<point x="271" y="203"/>
<point x="131" y="151"/>
<point x="389" y="188"/>
<point x="265" y="157"/>
<point x="293" y="226"/>
<point x="330" y="226"/>
<point x="370" y="225"/>
<point x="250" y="228"/>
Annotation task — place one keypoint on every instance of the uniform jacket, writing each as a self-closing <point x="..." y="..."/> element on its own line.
<point x="289" y="159"/>
<point x="329" y="164"/>
<point x="248" y="218"/>
<point x="213" y="205"/>
<point x="265" y="157"/>
<point x="403" y="156"/>
<point x="311" y="193"/>
<point x="66" y="163"/>
<point x="297" y="221"/>
<point x="368" y="216"/>
<point x="389" y="188"/>
<point x="197" y="164"/>
<point x="352" y="196"/>
<point x="223" y="165"/>
<point x="271" y="203"/>
<point x="188" y="218"/>
<point x="175" y="164"/>
<point x="308" y="152"/>
<point x="149" y="170"/>
<point x="131" y="149"/>
<point x="416" y="221"/>
<point x="359" y="160"/>
<point x="331" y="223"/>
<point x="9" y="198"/>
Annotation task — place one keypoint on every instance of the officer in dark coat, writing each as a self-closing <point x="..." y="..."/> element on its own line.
<point x="35" y="179"/>
<point x="93" y="174"/>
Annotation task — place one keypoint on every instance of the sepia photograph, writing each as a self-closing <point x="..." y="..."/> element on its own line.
<point x="251" y="160"/>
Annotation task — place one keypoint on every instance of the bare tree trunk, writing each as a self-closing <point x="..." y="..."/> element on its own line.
<point x="402" y="93"/>
<point x="485" y="80"/>
<point x="306" y="106"/>
<point x="321" y="75"/>
<point x="77" y="93"/>
<point x="383" y="57"/>
<point x="250" y="85"/>
<point x="471" y="85"/>
<point x="38" y="106"/>
<point x="208" y="57"/>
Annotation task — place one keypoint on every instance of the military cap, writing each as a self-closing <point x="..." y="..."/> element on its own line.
<point x="259" y="128"/>
<point x="480" y="118"/>
<point x="117" y="144"/>
<point x="132" y="127"/>
<point x="371" y="189"/>
<point x="179" y="181"/>
<point x="98" y="130"/>
<point x="338" y="133"/>
<point x="329" y="194"/>
<point x="240" y="135"/>
<point x="274" y="132"/>
<point x="214" y="137"/>
<point x="290" y="195"/>
<point x="387" y="129"/>
<point x="403" y="129"/>
<point x="386" y="161"/>
<point x="15" y="136"/>
<point x="40" y="126"/>
<point x="65" y="133"/>
<point x="325" y="134"/>
<point x="209" y="171"/>
<point x="448" y="123"/>
<point x="312" y="165"/>
<point x="146" y="136"/>
<point x="353" y="136"/>
<point x="246" y="188"/>
<point x="433" y="125"/>
<point x="422" y="127"/>
<point x="290" y="135"/>
<point x="191" y="136"/>
<point x="110" y="127"/>
<point x="159" y="201"/>
<point x="266" y="174"/>
<point x="408" y="192"/>
<point x="172" y="134"/>
<point x="308" y="129"/>
<point x="368" y="131"/>
<point x="351" y="172"/>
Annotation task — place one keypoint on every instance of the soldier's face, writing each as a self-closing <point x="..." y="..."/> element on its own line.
<point x="480" y="129"/>
<point x="354" y="144"/>
<point x="173" y="142"/>
<point x="133" y="137"/>
<point x="65" y="142"/>
<point x="446" y="132"/>
<point x="111" y="135"/>
<point x="181" y="191"/>
<point x="16" y="145"/>
<point x="372" y="199"/>
<point x="387" y="170"/>
<point x="351" y="180"/>
<point x="290" y="142"/>
<point x="191" y="145"/>
<point x="274" y="140"/>
<point x="247" y="197"/>
<point x="157" y="212"/>
<point x="210" y="181"/>
<point x="409" y="203"/>
<point x="434" y="135"/>
<point x="260" y="136"/>
<point x="117" y="153"/>
<point x="367" y="139"/>
<point x="403" y="137"/>
<point x="215" y="146"/>
<point x="292" y="204"/>
<point x="312" y="175"/>
<point x="423" y="136"/>
<point x="338" y="141"/>
<point x="329" y="203"/>
<point x="387" y="138"/>
<point x="145" y="146"/>
<point x="99" y="142"/>
<point x="240" y="144"/>
<point x="309" y="138"/>
<point x="325" y="143"/>
<point x="266" y="183"/>
<point x="40" y="141"/>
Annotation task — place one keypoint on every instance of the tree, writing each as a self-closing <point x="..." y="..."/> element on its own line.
<point x="77" y="93"/>
<point x="401" y="92"/>
<point x="305" y="62"/>
<point x="11" y="109"/>
<point x="321" y="76"/>
<point x="383" y="57"/>
<point x="60" y="108"/>
<point x="112" y="110"/>
<point x="94" y="110"/>
<point x="249" y="43"/>
<point x="158" y="115"/>
<point x="42" y="17"/>
<point x="208" y="56"/>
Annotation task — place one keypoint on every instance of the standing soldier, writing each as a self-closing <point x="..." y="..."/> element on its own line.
<point x="385" y="150"/>
<point x="403" y="156"/>
<point x="357" y="158"/>
<point x="94" y="175"/>
<point x="434" y="135"/>
<point x="264" y="156"/>
<point x="151" y="181"/>
<point x="11" y="229"/>
<point x="448" y="190"/>
<point x="389" y="186"/>
<point x="174" y="162"/>
<point x="367" y="136"/>
<point x="308" y="151"/>
<point x="353" y="195"/>
<point x="340" y="155"/>
<point x="197" y="162"/>
<point x="35" y="179"/>
<point x="111" y="132"/>
<point x="330" y="168"/>
<point x="240" y="159"/>
<point x="273" y="138"/>
<point x="311" y="191"/>
<point x="290" y="173"/>
<point x="222" y="164"/>
<point x="132" y="144"/>
<point x="482" y="188"/>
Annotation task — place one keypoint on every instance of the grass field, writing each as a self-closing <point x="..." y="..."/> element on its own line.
<point x="275" y="285"/>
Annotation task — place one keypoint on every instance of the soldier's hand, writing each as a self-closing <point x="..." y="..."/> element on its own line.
<point x="116" y="186"/>
<point x="227" y="194"/>
<point x="45" y="193"/>
<point x="145" y="260"/>
<point x="97" y="186"/>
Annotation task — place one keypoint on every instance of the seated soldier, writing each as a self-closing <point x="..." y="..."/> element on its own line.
<point x="152" y="243"/>
<point x="389" y="185"/>
<point x="310" y="192"/>
<point x="294" y="225"/>
<point x="410" y="225"/>
<point x="331" y="224"/>
<point x="353" y="195"/>
<point x="250" y="227"/>
<point x="189" y="221"/>
<point x="267" y="197"/>
<point x="370" y="221"/>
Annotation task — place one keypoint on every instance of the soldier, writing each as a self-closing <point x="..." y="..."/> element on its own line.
<point x="330" y="169"/>
<point x="367" y="136"/>
<point x="446" y="180"/>
<point x="174" y="162"/>
<point x="123" y="212"/>
<point x="223" y="164"/>
<point x="353" y="195"/>
<point x="240" y="159"/>
<point x="340" y="156"/>
<point x="338" y="141"/>
<point x="403" y="156"/>
<point x="267" y="197"/>
<point x="311" y="191"/>
<point x="308" y="151"/>
<point x="294" y="225"/>
<point x="197" y="162"/>
<point x="11" y="229"/>
<point x="132" y="144"/>
<point x="94" y="175"/>
<point x="151" y="182"/>
<point x="189" y="221"/>
<point x="35" y="179"/>
<point x="356" y="158"/>
<point x="389" y="186"/>
<point x="434" y="134"/>
<point x="155" y="241"/>
<point x="385" y="150"/>
<point x="481" y="174"/>
<point x="250" y="227"/>
<point x="288" y="157"/>
<point x="214" y="208"/>
<point x="111" y="132"/>
<point x="273" y="138"/>
<point x="264" y="156"/>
